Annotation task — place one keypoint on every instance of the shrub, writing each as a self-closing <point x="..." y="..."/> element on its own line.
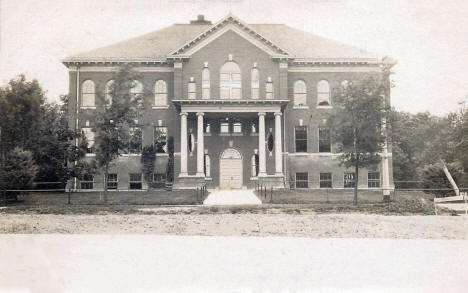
<point x="19" y="171"/>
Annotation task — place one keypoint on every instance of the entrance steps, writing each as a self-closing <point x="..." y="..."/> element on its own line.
<point x="232" y="197"/>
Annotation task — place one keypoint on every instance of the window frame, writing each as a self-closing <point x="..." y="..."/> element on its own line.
<point x="163" y="148"/>
<point x="348" y="183"/>
<point x="160" y="93"/>
<point x="304" y="183"/>
<point x="372" y="181"/>
<point x="130" y="149"/>
<point x="112" y="184"/>
<point x="255" y="84"/>
<point x="269" y="90"/>
<point x="85" y="132"/>
<point x="90" y="94"/>
<point x="192" y="90"/>
<point x="326" y="183"/>
<point x="84" y="181"/>
<point x="302" y="139"/>
<point x="132" y="183"/>
<point x="296" y="94"/>
<point x="323" y="93"/>
<point x="206" y="84"/>
<point x="320" y="140"/>
<point x="230" y="84"/>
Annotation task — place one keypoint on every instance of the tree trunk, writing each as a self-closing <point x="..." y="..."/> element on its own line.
<point x="106" y="172"/>
<point x="356" y="179"/>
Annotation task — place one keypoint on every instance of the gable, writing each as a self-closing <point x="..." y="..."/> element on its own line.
<point x="229" y="23"/>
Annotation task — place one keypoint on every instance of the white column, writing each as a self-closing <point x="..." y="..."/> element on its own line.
<point x="183" y="144"/>
<point x="385" y="167"/>
<point x="261" y="144"/>
<point x="278" y="145"/>
<point x="200" y="146"/>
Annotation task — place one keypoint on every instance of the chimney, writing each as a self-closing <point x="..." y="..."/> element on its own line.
<point x="200" y="20"/>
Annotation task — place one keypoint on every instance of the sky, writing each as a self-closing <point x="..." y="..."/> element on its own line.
<point x="428" y="38"/>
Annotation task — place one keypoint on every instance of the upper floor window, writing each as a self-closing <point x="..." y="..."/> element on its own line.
<point x="137" y="90"/>
<point x="255" y="78"/>
<point x="192" y="89"/>
<point x="269" y="89"/>
<point x="109" y="92"/>
<point x="324" y="140"/>
<point x="230" y="81"/>
<point x="88" y="94"/>
<point x="205" y="83"/>
<point x="300" y="93"/>
<point x="373" y="179"/>
<point x="88" y="134"/>
<point x="134" y="140"/>
<point x="300" y="134"/>
<point x="224" y="128"/>
<point x="323" y="93"/>
<point x="160" y="93"/>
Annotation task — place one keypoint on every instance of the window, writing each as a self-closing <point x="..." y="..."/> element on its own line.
<point x="112" y="181"/>
<point x="207" y="128"/>
<point x="87" y="181"/>
<point x="230" y="81"/>
<point x="159" y="180"/>
<point x="207" y="166"/>
<point x="255" y="165"/>
<point x="349" y="180"/>
<point x="325" y="180"/>
<point x="134" y="140"/>
<point x="300" y="93"/>
<point x="205" y="83"/>
<point x="270" y="142"/>
<point x="237" y="127"/>
<point x="88" y="94"/>
<point x="300" y="133"/>
<point x="324" y="140"/>
<point x="88" y="134"/>
<point x="269" y="89"/>
<point x="160" y="139"/>
<point x="136" y="92"/>
<point x="224" y="127"/>
<point x="135" y="181"/>
<point x="192" y="89"/>
<point x="160" y="93"/>
<point x="255" y="78"/>
<point x="373" y="179"/>
<point x="191" y="143"/>
<point x="109" y="92"/>
<point x="323" y="93"/>
<point x="302" y="180"/>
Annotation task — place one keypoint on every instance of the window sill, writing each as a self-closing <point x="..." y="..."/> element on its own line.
<point x="88" y="107"/>
<point x="299" y="107"/>
<point x="254" y="178"/>
<point x="207" y="134"/>
<point x="324" y="107"/>
<point x="254" y="134"/>
<point x="237" y="134"/>
<point x="162" y="155"/>
<point x="90" y="155"/>
<point x="160" y="107"/>
<point x="224" y="134"/>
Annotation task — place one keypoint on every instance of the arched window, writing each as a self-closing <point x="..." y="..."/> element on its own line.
<point x="255" y="78"/>
<point x="137" y="90"/>
<point x="300" y="93"/>
<point x="88" y="94"/>
<point x="205" y="83"/>
<point x="109" y="92"/>
<point x="230" y="81"/>
<point x="207" y="166"/>
<point x="269" y="89"/>
<point x="254" y="165"/>
<point x="192" y="89"/>
<point x="323" y="93"/>
<point x="160" y="93"/>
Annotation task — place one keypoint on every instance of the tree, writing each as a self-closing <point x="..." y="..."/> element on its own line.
<point x="356" y="123"/>
<point x="117" y="112"/>
<point x="18" y="171"/>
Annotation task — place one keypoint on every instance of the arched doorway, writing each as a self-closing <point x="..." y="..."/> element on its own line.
<point x="230" y="169"/>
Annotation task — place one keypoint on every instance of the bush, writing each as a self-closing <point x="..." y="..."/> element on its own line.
<point x="19" y="171"/>
<point x="435" y="178"/>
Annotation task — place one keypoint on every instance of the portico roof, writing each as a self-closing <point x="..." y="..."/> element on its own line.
<point x="226" y="106"/>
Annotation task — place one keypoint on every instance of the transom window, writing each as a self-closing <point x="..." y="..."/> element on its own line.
<point x="323" y="93"/>
<point x="325" y="180"/>
<point x="88" y="94"/>
<point x="230" y="81"/>
<point x="300" y="93"/>
<point x="373" y="179"/>
<point x="300" y="133"/>
<point x="349" y="179"/>
<point x="302" y="180"/>
<point x="160" y="93"/>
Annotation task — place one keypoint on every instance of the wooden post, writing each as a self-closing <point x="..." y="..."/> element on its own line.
<point x="69" y="196"/>
<point x="271" y="194"/>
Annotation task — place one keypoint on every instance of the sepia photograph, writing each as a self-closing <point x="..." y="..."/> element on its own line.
<point x="233" y="146"/>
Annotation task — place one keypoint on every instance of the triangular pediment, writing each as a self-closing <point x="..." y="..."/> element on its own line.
<point x="229" y="23"/>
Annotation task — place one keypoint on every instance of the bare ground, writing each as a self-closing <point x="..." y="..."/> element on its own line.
<point x="245" y="224"/>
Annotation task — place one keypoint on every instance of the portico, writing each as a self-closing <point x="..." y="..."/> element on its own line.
<point x="246" y="133"/>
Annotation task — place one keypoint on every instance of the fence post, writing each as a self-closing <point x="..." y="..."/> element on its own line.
<point x="69" y="196"/>
<point x="328" y="201"/>
<point x="271" y="194"/>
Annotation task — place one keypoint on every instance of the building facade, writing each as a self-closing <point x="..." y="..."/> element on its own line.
<point x="241" y="102"/>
